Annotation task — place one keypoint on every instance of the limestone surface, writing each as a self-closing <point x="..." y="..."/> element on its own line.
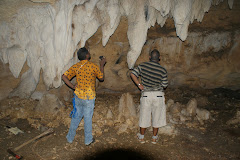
<point x="45" y="33"/>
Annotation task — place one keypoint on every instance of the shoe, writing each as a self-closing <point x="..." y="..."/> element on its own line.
<point x="154" y="139"/>
<point x="140" y="138"/>
<point x="93" y="140"/>
<point x="69" y="141"/>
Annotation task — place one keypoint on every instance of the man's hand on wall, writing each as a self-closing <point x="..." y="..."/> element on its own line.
<point x="103" y="61"/>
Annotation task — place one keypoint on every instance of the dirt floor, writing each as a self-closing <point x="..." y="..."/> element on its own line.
<point x="213" y="140"/>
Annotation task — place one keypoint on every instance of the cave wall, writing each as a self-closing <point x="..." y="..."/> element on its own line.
<point x="208" y="58"/>
<point x="39" y="40"/>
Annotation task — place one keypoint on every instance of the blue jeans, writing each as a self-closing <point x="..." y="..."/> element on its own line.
<point x="84" y="108"/>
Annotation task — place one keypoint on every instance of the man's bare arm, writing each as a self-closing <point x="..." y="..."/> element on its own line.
<point x="102" y="64"/>
<point x="68" y="83"/>
<point x="135" y="80"/>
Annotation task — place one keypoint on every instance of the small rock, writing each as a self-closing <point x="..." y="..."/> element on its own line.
<point x="235" y="119"/>
<point x="129" y="122"/>
<point x="110" y="123"/>
<point x="200" y="121"/>
<point x="109" y="114"/>
<point x="98" y="132"/>
<point x="202" y="114"/>
<point x="202" y="101"/>
<point x="168" y="130"/>
<point x="42" y="128"/>
<point x="170" y="102"/>
<point x="175" y="108"/>
<point x="184" y="112"/>
<point x="15" y="130"/>
<point x="122" y="128"/>
<point x="172" y="121"/>
<point x="183" y="118"/>
<point x="14" y="120"/>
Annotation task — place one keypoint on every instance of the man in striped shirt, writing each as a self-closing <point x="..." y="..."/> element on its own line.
<point x="152" y="103"/>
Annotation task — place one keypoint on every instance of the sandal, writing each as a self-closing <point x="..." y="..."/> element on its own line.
<point x="140" y="138"/>
<point x="154" y="139"/>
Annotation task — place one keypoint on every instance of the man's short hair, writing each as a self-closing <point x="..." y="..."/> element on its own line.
<point x="155" y="55"/>
<point x="82" y="52"/>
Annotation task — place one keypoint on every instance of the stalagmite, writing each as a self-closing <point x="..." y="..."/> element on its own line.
<point x="127" y="113"/>
<point x="126" y="107"/>
<point x="49" y="104"/>
<point x="192" y="107"/>
<point x="109" y="114"/>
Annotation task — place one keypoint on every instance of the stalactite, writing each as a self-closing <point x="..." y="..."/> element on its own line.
<point x="46" y="35"/>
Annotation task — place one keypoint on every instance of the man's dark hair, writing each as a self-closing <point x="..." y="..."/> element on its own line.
<point x="155" y="55"/>
<point x="82" y="52"/>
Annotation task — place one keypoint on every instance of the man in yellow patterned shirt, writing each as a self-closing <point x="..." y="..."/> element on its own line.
<point x="86" y="73"/>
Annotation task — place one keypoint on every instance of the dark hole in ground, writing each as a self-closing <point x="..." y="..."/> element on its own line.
<point x="118" y="154"/>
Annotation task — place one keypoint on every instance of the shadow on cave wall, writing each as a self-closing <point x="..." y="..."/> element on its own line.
<point x="117" y="154"/>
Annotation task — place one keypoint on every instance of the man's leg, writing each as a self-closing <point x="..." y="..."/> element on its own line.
<point x="72" y="130"/>
<point x="155" y="137"/>
<point x="155" y="131"/>
<point x="145" y="116"/>
<point x="158" y="112"/>
<point x="140" y="135"/>
<point x="76" y="119"/>
<point x="142" y="130"/>
<point x="88" y="114"/>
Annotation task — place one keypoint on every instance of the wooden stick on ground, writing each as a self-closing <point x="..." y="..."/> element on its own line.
<point x="47" y="132"/>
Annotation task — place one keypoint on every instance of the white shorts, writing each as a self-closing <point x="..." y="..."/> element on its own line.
<point x="152" y="106"/>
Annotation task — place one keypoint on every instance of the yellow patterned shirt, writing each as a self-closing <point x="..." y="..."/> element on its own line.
<point x="86" y="78"/>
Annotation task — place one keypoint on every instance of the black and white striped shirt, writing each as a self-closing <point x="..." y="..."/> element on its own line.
<point x="153" y="75"/>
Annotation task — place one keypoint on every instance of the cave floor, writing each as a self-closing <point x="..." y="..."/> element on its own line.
<point x="213" y="140"/>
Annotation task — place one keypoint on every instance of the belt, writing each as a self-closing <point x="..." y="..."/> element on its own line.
<point x="147" y="96"/>
<point x="152" y="90"/>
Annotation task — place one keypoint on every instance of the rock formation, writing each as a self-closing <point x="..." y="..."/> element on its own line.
<point x="109" y="113"/>
<point x="127" y="115"/>
<point x="45" y="33"/>
<point x="179" y="113"/>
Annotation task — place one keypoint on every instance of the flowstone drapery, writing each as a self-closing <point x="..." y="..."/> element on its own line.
<point x="46" y="34"/>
